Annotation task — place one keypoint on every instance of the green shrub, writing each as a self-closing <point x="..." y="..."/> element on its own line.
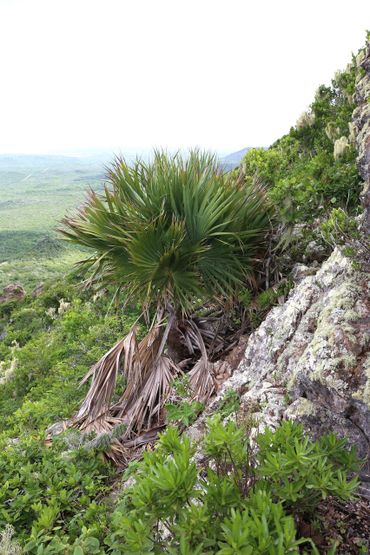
<point x="229" y="404"/>
<point x="50" y="491"/>
<point x="300" y="472"/>
<point x="183" y="412"/>
<point x="339" y="228"/>
<point x="231" y="506"/>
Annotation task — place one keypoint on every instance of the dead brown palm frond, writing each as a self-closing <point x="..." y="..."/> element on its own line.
<point x="201" y="376"/>
<point x="201" y="379"/>
<point x="137" y="365"/>
<point x="118" y="453"/>
<point x="104" y="376"/>
<point x="129" y="357"/>
<point x="145" y="409"/>
<point x="150" y="376"/>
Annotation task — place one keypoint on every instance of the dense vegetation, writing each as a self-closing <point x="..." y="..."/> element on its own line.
<point x="61" y="496"/>
<point x="241" y="502"/>
<point x="48" y="343"/>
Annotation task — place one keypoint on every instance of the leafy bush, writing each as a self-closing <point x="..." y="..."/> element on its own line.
<point x="301" y="472"/>
<point x="229" y="404"/>
<point x="339" y="228"/>
<point x="183" y="412"/>
<point x="51" y="355"/>
<point x="343" y="231"/>
<point x="182" y="409"/>
<point x="232" y="505"/>
<point x="50" y="491"/>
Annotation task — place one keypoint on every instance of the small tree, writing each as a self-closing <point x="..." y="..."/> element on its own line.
<point x="173" y="235"/>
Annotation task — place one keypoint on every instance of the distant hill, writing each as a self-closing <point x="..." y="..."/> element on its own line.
<point x="233" y="160"/>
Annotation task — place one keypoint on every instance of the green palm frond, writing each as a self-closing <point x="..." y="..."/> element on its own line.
<point x="172" y="230"/>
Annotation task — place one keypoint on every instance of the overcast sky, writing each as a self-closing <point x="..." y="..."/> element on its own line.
<point x="133" y="74"/>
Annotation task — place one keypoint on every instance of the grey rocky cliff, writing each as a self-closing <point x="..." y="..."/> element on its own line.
<point x="361" y="123"/>
<point x="310" y="359"/>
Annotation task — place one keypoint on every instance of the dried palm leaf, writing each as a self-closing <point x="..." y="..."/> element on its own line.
<point x="201" y="376"/>
<point x="145" y="411"/>
<point x="97" y="401"/>
<point x="151" y="374"/>
<point x="201" y="380"/>
<point x="137" y="366"/>
<point x="144" y="438"/>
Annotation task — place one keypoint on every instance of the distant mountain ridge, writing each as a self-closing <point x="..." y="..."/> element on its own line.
<point x="233" y="160"/>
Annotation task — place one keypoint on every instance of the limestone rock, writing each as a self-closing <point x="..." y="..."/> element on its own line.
<point x="300" y="271"/>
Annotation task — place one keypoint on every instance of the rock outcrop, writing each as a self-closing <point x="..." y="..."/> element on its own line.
<point x="310" y="359"/>
<point x="361" y="125"/>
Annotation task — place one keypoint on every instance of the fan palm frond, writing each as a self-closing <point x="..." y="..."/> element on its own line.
<point x="172" y="230"/>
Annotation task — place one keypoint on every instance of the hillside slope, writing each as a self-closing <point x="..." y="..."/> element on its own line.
<point x="308" y="359"/>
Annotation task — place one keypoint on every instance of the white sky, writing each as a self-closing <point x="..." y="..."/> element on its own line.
<point x="133" y="74"/>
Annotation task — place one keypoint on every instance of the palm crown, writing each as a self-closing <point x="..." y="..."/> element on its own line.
<point x="171" y="231"/>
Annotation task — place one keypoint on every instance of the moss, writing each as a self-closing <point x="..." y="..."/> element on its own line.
<point x="351" y="315"/>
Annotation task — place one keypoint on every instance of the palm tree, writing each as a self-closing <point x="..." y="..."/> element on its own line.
<point x="174" y="235"/>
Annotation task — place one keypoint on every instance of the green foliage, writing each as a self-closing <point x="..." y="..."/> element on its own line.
<point x="339" y="228"/>
<point x="57" y="497"/>
<point x="261" y="528"/>
<point x="183" y="412"/>
<point x="182" y="409"/>
<point x="303" y="179"/>
<point x="301" y="472"/>
<point x="232" y="506"/>
<point x="50" y="491"/>
<point x="343" y="231"/>
<point x="172" y="231"/>
<point x="225" y="443"/>
<point x="50" y="351"/>
<point x="229" y="404"/>
<point x="53" y="496"/>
